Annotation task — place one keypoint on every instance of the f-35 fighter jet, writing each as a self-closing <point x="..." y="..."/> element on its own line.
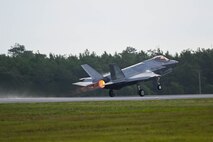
<point x="151" y="69"/>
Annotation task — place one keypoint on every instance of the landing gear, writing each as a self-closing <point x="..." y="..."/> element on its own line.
<point x="140" y="91"/>
<point x="159" y="87"/>
<point x="111" y="93"/>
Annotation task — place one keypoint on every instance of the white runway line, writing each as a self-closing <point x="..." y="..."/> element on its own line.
<point x="84" y="99"/>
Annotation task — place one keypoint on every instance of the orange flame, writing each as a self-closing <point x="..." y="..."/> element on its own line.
<point x="101" y="84"/>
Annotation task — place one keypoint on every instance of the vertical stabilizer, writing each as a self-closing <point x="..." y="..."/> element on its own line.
<point x="116" y="72"/>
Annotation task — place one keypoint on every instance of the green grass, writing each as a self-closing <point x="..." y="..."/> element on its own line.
<point x="112" y="121"/>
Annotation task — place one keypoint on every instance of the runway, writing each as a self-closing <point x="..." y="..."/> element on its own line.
<point x="87" y="99"/>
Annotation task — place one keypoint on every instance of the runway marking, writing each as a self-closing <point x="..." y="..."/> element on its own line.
<point x="84" y="99"/>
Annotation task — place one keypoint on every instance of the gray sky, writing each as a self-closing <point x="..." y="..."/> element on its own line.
<point x="71" y="26"/>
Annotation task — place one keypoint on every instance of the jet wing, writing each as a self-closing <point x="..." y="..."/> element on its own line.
<point x="143" y="76"/>
<point x="139" y="77"/>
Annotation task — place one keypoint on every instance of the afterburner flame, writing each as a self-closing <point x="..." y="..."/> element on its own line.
<point x="101" y="84"/>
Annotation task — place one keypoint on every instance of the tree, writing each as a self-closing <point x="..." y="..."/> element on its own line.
<point x="16" y="50"/>
<point x="53" y="75"/>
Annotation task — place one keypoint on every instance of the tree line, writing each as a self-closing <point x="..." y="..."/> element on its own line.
<point x="24" y="72"/>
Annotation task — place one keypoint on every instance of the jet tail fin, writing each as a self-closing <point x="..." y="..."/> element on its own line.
<point x="116" y="72"/>
<point x="92" y="72"/>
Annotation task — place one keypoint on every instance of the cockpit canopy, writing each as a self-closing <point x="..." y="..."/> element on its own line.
<point x="160" y="58"/>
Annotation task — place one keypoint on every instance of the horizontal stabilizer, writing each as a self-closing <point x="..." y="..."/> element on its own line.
<point x="83" y="84"/>
<point x="92" y="73"/>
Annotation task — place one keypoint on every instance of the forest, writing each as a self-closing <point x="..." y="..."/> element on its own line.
<point x="26" y="73"/>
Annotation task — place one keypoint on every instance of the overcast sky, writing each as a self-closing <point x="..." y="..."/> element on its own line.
<point x="71" y="26"/>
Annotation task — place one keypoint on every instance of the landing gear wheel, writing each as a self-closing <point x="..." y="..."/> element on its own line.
<point x="111" y="93"/>
<point x="159" y="87"/>
<point x="141" y="92"/>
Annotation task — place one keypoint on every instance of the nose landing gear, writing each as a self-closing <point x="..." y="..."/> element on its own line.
<point x="159" y="87"/>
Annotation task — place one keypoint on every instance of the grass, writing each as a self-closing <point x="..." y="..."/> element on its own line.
<point x="111" y="121"/>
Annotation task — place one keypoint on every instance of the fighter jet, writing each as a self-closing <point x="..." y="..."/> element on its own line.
<point x="151" y="69"/>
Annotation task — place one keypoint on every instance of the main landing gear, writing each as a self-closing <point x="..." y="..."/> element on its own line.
<point x="111" y="93"/>
<point x="140" y="91"/>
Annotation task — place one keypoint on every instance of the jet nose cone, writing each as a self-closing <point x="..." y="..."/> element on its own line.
<point x="172" y="63"/>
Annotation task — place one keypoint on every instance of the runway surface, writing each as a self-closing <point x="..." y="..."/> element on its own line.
<point x="84" y="99"/>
